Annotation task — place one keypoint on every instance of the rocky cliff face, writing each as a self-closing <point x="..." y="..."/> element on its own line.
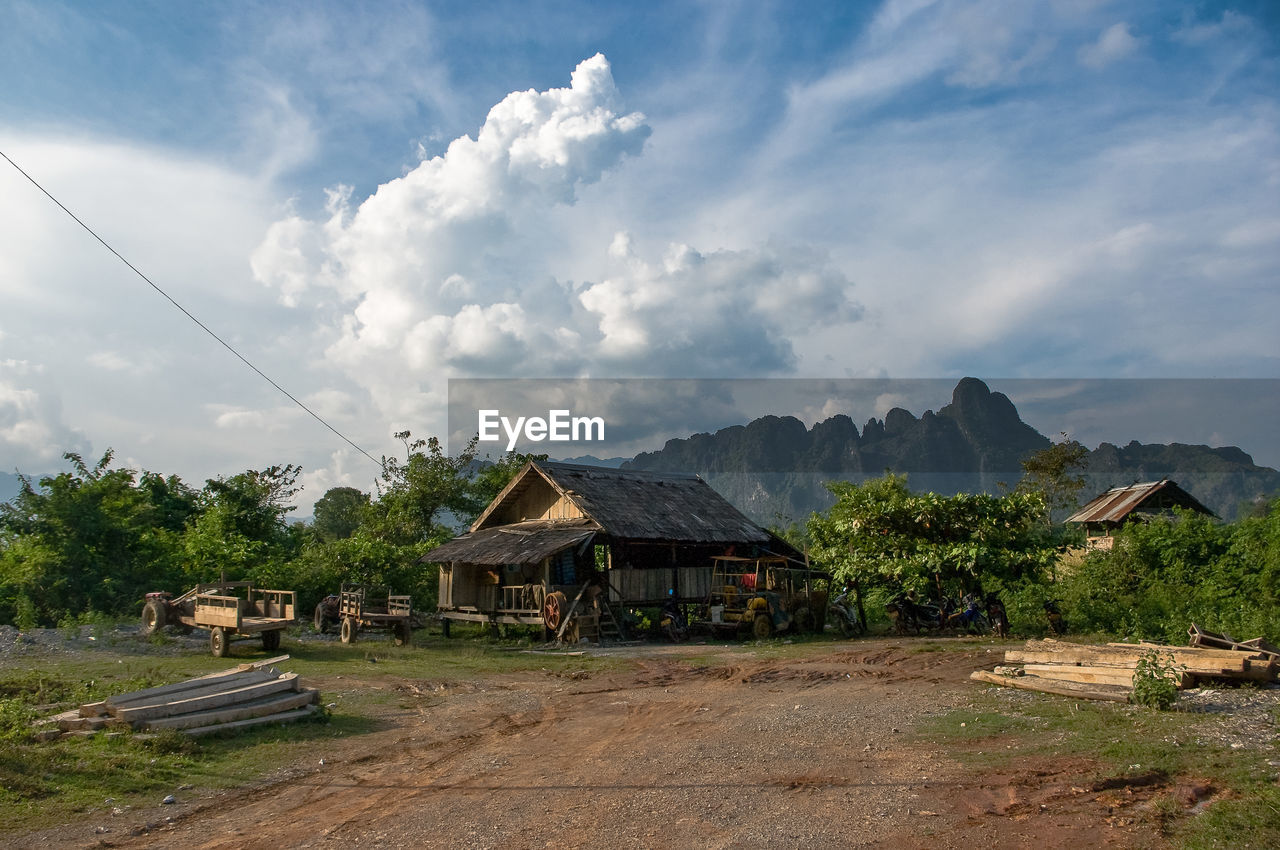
<point x="774" y="468"/>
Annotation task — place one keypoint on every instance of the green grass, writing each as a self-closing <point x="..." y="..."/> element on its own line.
<point x="1126" y="739"/>
<point x="45" y="784"/>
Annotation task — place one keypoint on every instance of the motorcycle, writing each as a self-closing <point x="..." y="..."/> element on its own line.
<point x="672" y="622"/>
<point x="970" y="615"/>
<point x="842" y="612"/>
<point x="905" y="613"/>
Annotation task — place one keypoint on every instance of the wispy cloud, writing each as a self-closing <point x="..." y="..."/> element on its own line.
<point x="1115" y="43"/>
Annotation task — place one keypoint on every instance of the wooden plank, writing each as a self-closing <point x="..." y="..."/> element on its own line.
<point x="70" y="714"/>
<point x="1208" y="653"/>
<point x="1088" y="675"/>
<point x="1112" y="693"/>
<point x="1100" y="675"/>
<point x="1255" y="671"/>
<point x="283" y="717"/>
<point x="1201" y="637"/>
<point x="286" y="682"/>
<point x="85" y="723"/>
<point x="217" y="686"/>
<point x="256" y="708"/>
<point x="257" y="665"/>
<point x="1222" y="663"/>
<point x="97" y="709"/>
<point x="1234" y="665"/>
<point x="218" y="611"/>
<point x="167" y="693"/>
<point x="1261" y="645"/>
<point x="1226" y="656"/>
<point x="257" y="625"/>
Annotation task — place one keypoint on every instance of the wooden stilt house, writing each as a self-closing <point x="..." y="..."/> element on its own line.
<point x="565" y="538"/>
<point x="1104" y="514"/>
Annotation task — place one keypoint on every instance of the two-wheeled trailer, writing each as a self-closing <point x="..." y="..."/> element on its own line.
<point x="228" y="609"/>
<point x="361" y="607"/>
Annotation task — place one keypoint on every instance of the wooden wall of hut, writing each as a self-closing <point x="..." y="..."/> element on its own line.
<point x="536" y="503"/>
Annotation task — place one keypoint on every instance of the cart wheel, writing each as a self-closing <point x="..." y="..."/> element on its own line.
<point x="218" y="643"/>
<point x="152" y="617"/>
<point x="553" y="610"/>
<point x="402" y="634"/>
<point x="271" y="639"/>
<point x="320" y="620"/>
<point x="802" y="621"/>
<point x="762" y="626"/>
<point x="348" y="630"/>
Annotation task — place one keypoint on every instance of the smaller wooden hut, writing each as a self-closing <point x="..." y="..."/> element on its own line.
<point x="1136" y="502"/>
<point x="622" y="538"/>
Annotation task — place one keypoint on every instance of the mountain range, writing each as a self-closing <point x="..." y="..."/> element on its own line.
<point x="774" y="468"/>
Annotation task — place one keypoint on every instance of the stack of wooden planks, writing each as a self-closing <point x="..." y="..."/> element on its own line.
<point x="246" y="695"/>
<point x="1106" y="672"/>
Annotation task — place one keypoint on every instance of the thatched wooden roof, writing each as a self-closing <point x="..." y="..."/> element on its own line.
<point x="1115" y="505"/>
<point x="632" y="504"/>
<point x="518" y="543"/>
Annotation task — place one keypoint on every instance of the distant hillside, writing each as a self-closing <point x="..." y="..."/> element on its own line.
<point x="774" y="468"/>
<point x="10" y="486"/>
<point x="592" y="460"/>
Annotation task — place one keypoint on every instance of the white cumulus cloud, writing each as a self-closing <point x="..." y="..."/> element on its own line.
<point x="722" y="313"/>
<point x="453" y="270"/>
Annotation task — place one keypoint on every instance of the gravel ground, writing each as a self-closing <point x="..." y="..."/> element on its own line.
<point x="813" y="752"/>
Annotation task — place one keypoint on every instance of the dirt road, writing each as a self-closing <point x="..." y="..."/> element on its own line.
<point x="672" y="752"/>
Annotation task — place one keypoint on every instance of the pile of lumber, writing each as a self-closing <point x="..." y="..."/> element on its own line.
<point x="1106" y="672"/>
<point x="246" y="695"/>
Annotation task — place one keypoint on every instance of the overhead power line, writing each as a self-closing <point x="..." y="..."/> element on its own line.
<point x="188" y="313"/>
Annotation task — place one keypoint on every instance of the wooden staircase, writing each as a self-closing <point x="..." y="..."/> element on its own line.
<point x="598" y="626"/>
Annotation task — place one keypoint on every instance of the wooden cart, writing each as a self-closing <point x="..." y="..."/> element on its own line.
<point x="361" y="607"/>
<point x="227" y="609"/>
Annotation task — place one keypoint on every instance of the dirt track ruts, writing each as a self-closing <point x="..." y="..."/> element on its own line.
<point x="750" y="752"/>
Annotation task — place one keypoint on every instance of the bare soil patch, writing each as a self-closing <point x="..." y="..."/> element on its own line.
<point x="687" y="747"/>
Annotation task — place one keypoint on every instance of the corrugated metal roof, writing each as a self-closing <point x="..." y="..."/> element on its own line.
<point x="519" y="543"/>
<point x="1117" y="503"/>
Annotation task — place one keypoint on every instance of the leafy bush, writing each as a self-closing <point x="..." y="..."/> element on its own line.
<point x="1163" y="575"/>
<point x="15" y="720"/>
<point x="1155" y="680"/>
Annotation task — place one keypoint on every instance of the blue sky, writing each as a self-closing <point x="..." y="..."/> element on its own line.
<point x="371" y="199"/>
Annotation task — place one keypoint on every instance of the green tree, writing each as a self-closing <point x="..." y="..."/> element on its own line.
<point x="1055" y="472"/>
<point x="420" y="500"/>
<point x="241" y="527"/>
<point x="93" y="539"/>
<point x="423" y="497"/>
<point x="339" y="511"/>
<point x="881" y="533"/>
